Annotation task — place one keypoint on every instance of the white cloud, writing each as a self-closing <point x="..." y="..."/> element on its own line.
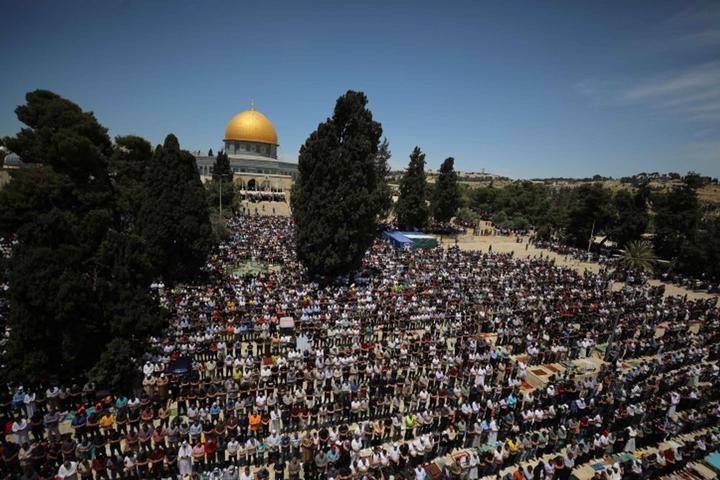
<point x="693" y="80"/>
<point x="692" y="93"/>
<point x="691" y="90"/>
<point x="687" y="90"/>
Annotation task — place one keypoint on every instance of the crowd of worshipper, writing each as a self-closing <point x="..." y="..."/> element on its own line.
<point x="422" y="354"/>
<point x="570" y="252"/>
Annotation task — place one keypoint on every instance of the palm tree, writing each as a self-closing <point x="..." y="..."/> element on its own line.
<point x="638" y="255"/>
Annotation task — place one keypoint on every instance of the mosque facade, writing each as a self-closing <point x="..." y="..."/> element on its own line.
<point x="251" y="144"/>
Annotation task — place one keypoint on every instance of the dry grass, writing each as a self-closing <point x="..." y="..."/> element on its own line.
<point x="710" y="194"/>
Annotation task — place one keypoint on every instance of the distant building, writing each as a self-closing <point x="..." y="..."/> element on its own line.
<point x="251" y="145"/>
<point x="12" y="161"/>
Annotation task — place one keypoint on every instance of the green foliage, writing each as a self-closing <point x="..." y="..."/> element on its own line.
<point x="677" y="215"/>
<point x="212" y="192"/>
<point x="176" y="223"/>
<point x="128" y="165"/>
<point x="589" y="212"/>
<point x="701" y="257"/>
<point x="631" y="217"/>
<point x="335" y="200"/>
<point x="221" y="167"/>
<point x="467" y="215"/>
<point x="79" y="274"/>
<point x="446" y="194"/>
<point x="500" y="219"/>
<point x="567" y="213"/>
<point x="520" y="205"/>
<point x="411" y="209"/>
<point x="60" y="135"/>
<point x="638" y="255"/>
<point x="222" y="177"/>
<point x="220" y="231"/>
<point x="383" y="191"/>
<point x="111" y="367"/>
<point x="683" y="234"/>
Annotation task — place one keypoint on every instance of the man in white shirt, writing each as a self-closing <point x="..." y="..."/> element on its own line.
<point x="68" y="470"/>
<point x="246" y="475"/>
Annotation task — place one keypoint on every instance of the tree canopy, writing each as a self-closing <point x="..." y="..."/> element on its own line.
<point x="79" y="272"/>
<point x="335" y="201"/>
<point x="411" y="209"/>
<point x="677" y="215"/>
<point x="446" y="195"/>
<point x="383" y="191"/>
<point x="221" y="167"/>
<point x="631" y="217"/>
<point x="638" y="255"/>
<point x="175" y="221"/>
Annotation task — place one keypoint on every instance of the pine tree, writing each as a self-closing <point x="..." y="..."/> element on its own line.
<point x="79" y="273"/>
<point x="411" y="209"/>
<point x="334" y="200"/>
<point x="383" y="192"/>
<point x="128" y="166"/>
<point x="176" y="224"/>
<point x="446" y="195"/>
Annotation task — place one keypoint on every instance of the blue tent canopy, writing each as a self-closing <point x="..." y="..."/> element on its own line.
<point x="398" y="240"/>
<point x="411" y="239"/>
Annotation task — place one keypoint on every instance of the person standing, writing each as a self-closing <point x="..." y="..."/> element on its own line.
<point x="68" y="470"/>
<point x="185" y="459"/>
<point x="294" y="467"/>
<point x="409" y="426"/>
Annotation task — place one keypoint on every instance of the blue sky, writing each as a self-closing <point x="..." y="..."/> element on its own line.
<point x="525" y="89"/>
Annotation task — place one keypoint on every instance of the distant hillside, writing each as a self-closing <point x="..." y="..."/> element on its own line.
<point x="708" y="189"/>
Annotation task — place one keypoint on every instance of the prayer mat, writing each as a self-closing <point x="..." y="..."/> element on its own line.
<point x="713" y="460"/>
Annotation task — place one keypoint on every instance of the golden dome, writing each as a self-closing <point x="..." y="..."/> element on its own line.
<point x="251" y="126"/>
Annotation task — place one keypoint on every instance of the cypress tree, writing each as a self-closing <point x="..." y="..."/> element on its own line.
<point x="221" y="167"/>
<point x="128" y="165"/>
<point x="334" y="200"/>
<point x="175" y="223"/>
<point x="79" y="274"/>
<point x="383" y="191"/>
<point x="411" y="209"/>
<point x="446" y="196"/>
